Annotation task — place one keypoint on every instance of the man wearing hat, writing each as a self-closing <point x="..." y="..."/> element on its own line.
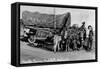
<point x="84" y="30"/>
<point x="82" y="36"/>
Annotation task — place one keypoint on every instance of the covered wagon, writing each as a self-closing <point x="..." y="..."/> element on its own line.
<point x="46" y="25"/>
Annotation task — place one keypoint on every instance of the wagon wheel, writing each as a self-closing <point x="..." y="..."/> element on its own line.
<point x="31" y="40"/>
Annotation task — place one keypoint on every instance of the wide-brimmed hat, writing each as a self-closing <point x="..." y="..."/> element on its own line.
<point x="89" y="26"/>
<point x="83" y="22"/>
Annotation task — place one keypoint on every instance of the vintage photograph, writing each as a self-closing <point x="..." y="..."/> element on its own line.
<point x="53" y="34"/>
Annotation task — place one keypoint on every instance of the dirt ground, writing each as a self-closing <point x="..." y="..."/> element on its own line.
<point x="30" y="54"/>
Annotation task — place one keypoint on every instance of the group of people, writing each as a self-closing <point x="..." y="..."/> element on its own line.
<point x="74" y="38"/>
<point x="71" y="38"/>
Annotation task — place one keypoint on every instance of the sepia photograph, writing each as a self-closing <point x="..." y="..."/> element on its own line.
<point x="55" y="34"/>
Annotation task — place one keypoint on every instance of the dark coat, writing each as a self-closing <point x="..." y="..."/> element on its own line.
<point x="91" y="35"/>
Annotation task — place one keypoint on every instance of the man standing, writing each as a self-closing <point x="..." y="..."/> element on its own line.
<point x="82" y="34"/>
<point x="64" y="41"/>
<point x="90" y="37"/>
<point x="84" y="30"/>
<point x="57" y="40"/>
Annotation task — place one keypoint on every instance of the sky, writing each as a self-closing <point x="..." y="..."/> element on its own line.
<point x="77" y="15"/>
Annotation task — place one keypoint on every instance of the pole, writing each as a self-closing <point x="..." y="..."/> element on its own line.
<point x="54" y="19"/>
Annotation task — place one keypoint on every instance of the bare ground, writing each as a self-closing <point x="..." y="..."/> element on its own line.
<point x="33" y="55"/>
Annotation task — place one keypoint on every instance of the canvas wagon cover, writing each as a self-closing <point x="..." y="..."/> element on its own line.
<point x="45" y="20"/>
